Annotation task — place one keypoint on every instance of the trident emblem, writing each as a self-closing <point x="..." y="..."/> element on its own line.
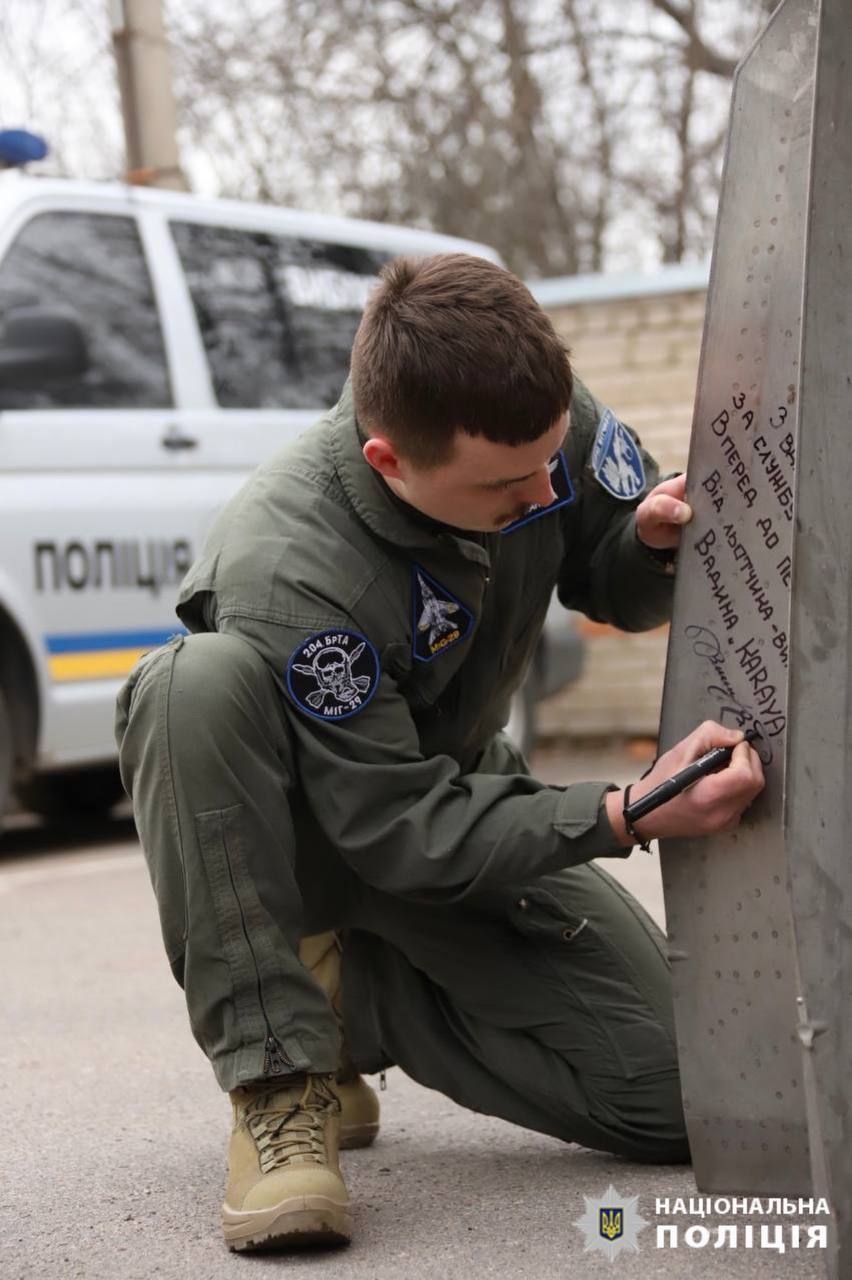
<point x="611" y="1223"/>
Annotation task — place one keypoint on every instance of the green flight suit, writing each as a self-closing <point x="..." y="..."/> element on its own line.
<point x="325" y="750"/>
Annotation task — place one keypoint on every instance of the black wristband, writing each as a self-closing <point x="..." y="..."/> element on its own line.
<point x="643" y="843"/>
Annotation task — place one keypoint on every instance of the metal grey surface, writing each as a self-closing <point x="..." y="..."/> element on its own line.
<point x="727" y="901"/>
<point x="819" y="750"/>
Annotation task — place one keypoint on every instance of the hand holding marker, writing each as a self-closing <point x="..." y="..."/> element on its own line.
<point x="710" y="762"/>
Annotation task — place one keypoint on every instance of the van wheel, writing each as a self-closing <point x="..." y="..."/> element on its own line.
<point x="80" y="793"/>
<point x="7" y="757"/>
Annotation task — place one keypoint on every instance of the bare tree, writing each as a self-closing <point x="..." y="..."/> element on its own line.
<point x="573" y="135"/>
<point x="58" y="79"/>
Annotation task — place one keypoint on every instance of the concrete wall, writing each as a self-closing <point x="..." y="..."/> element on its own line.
<point x="635" y="344"/>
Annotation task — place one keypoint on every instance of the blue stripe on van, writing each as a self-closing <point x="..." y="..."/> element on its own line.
<point x="89" y="642"/>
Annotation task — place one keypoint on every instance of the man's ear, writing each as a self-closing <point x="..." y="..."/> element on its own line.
<point x="383" y="457"/>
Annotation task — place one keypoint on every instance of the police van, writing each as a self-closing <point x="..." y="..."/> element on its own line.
<point x="154" y="348"/>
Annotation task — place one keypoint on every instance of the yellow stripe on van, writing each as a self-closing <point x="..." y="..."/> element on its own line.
<point x="98" y="665"/>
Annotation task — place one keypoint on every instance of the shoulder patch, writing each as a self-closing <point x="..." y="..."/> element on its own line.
<point x="333" y="674"/>
<point x="560" y="480"/>
<point x="616" y="460"/>
<point x="440" y="618"/>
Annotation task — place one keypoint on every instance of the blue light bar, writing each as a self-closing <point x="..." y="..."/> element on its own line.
<point x="18" y="146"/>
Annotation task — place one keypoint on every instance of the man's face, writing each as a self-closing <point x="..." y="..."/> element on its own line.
<point x="484" y="486"/>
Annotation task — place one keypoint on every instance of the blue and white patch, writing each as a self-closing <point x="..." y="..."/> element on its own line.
<point x="560" y="481"/>
<point x="440" y="619"/>
<point x="616" y="460"/>
<point x="333" y="675"/>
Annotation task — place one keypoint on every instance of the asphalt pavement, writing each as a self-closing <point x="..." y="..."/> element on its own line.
<point x="115" y="1132"/>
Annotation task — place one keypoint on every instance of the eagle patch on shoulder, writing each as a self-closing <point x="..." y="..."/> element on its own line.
<point x="616" y="460"/>
<point x="333" y="674"/>
<point x="440" y="618"/>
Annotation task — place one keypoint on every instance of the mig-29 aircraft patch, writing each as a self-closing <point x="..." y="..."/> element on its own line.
<point x="560" y="481"/>
<point x="440" y="618"/>
<point x="616" y="460"/>
<point x="333" y="675"/>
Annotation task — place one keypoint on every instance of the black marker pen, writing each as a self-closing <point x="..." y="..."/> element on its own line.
<point x="708" y="763"/>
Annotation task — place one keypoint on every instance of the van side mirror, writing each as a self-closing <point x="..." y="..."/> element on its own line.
<point x="37" y="343"/>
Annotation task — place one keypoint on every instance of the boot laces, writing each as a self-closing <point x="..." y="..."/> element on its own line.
<point x="291" y="1131"/>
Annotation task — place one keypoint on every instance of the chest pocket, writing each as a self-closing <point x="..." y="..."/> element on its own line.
<point x="423" y="684"/>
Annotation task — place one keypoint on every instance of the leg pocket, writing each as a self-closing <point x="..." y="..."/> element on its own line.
<point x="142" y="733"/>
<point x="251" y="941"/>
<point x="604" y="969"/>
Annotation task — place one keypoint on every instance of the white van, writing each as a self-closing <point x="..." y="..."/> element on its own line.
<point x="154" y="348"/>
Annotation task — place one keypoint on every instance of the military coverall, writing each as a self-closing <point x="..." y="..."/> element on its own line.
<point x="324" y="750"/>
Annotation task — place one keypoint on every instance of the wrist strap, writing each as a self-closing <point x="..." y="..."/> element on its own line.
<point x="629" y="827"/>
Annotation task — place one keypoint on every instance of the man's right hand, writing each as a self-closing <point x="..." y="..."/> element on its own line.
<point x="714" y="803"/>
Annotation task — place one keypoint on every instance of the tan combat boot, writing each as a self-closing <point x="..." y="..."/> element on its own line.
<point x="359" y="1121"/>
<point x="284" y="1185"/>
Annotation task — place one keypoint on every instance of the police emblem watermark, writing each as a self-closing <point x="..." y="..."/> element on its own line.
<point x="440" y="619"/>
<point x="611" y="1224"/>
<point x="616" y="460"/>
<point x="560" y="483"/>
<point x="333" y="674"/>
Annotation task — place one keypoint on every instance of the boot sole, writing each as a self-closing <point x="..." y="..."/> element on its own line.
<point x="358" y="1135"/>
<point x="298" y="1223"/>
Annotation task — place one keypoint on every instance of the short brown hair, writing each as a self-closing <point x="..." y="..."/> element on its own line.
<point x="454" y="342"/>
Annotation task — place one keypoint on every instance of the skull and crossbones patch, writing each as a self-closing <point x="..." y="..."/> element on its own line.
<point x="333" y="675"/>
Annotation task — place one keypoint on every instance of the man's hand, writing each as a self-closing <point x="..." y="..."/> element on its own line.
<point x="662" y="514"/>
<point x="715" y="803"/>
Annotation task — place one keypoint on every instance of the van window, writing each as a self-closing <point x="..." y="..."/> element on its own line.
<point x="277" y="313"/>
<point x="91" y="266"/>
